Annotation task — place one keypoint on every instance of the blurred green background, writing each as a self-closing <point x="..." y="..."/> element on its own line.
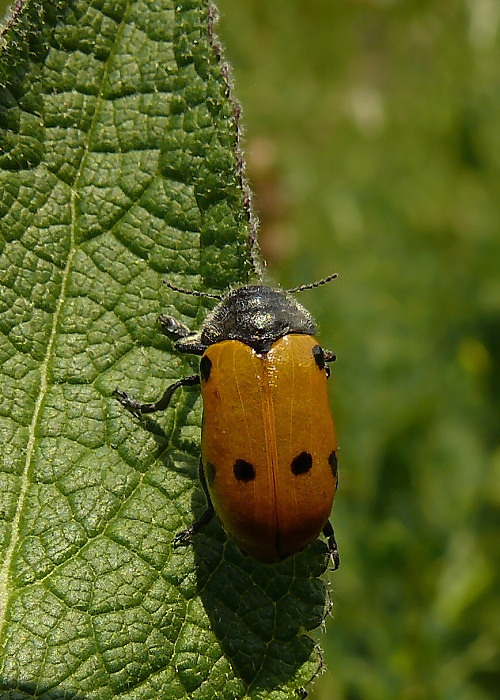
<point x="373" y="141"/>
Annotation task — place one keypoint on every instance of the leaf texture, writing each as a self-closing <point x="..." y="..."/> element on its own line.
<point x="120" y="166"/>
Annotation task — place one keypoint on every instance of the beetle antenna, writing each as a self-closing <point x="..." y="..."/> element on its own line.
<point x="192" y="292"/>
<point x="312" y="285"/>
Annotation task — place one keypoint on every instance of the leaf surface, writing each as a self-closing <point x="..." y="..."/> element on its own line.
<point x="119" y="166"/>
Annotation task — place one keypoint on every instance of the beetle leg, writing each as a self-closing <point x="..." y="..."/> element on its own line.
<point x="329" y="355"/>
<point x="332" y="545"/>
<point x="185" y="537"/>
<point x="191" y="344"/>
<point x="185" y="340"/>
<point x="172" y="327"/>
<point x="138" y="408"/>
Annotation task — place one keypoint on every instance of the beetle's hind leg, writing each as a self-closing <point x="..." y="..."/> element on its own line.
<point x="332" y="545"/>
<point x="138" y="408"/>
<point x="185" y="537"/>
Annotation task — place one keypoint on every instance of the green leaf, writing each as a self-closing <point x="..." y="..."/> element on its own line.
<point x="120" y="166"/>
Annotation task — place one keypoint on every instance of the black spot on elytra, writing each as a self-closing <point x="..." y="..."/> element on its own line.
<point x="332" y="461"/>
<point x="302" y="463"/>
<point x="319" y="356"/>
<point x="243" y="471"/>
<point x="205" y="367"/>
<point x="210" y="470"/>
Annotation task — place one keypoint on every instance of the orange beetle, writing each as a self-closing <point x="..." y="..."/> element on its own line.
<point x="268" y="446"/>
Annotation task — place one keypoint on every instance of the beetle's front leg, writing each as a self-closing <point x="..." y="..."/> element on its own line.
<point x="138" y="408"/>
<point x="173" y="328"/>
<point x="185" y="340"/>
<point x="329" y="356"/>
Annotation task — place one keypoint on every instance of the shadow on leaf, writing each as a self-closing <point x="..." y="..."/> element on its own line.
<point x="259" y="612"/>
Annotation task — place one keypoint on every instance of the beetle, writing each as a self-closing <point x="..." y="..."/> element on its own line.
<point x="268" y="447"/>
